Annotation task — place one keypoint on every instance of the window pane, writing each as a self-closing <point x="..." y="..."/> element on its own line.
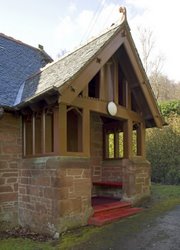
<point x="134" y="142"/>
<point x="38" y="133"/>
<point x="111" y="145"/>
<point x="121" y="143"/>
<point x="28" y="136"/>
<point x="49" y="133"/>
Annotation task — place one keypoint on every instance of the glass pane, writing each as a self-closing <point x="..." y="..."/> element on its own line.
<point x="111" y="145"/>
<point x="121" y="145"/>
<point x="134" y="142"/>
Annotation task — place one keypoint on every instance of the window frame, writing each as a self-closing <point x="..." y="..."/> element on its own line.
<point x="42" y="115"/>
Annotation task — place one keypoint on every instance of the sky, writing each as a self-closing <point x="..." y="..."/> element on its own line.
<point x="62" y="25"/>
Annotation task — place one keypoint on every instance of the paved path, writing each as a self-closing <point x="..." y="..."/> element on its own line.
<point x="161" y="234"/>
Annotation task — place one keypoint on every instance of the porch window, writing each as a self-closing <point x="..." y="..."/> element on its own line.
<point x="39" y="133"/>
<point x="137" y="147"/>
<point x="114" y="141"/>
<point x="134" y="142"/>
<point x="111" y="142"/>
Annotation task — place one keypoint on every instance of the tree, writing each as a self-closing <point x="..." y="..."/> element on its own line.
<point x="163" y="87"/>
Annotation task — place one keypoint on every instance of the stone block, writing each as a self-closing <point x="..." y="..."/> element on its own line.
<point x="40" y="181"/>
<point x="3" y="164"/>
<point x="11" y="180"/>
<point x="61" y="182"/>
<point x="5" y="197"/>
<point x="6" y="188"/>
<point x="10" y="174"/>
<point x="2" y="181"/>
<point x="74" y="172"/>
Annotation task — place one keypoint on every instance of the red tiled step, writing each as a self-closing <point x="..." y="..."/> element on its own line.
<point x="113" y="206"/>
<point x="111" y="215"/>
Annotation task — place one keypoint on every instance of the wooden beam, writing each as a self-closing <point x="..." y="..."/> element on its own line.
<point x="141" y="140"/>
<point x="43" y="139"/>
<point x="143" y="81"/>
<point x="116" y="91"/>
<point x="102" y="84"/>
<point x="86" y="132"/>
<point x="62" y="129"/>
<point x="81" y="80"/>
<point x="127" y="140"/>
<point x="56" y="130"/>
<point x="128" y="97"/>
<point x="33" y="134"/>
<point x="116" y="145"/>
<point x="85" y="92"/>
<point x="101" y="107"/>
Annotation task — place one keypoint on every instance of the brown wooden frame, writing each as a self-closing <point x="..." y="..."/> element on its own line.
<point x="55" y="133"/>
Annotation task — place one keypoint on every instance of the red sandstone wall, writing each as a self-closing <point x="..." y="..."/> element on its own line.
<point x="10" y="156"/>
<point x="96" y="147"/>
<point x="54" y="193"/>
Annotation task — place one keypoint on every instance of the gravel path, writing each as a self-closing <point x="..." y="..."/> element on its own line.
<point x="161" y="234"/>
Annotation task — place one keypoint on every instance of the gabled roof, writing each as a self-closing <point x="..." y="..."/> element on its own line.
<point x="65" y="69"/>
<point x="18" y="62"/>
<point x="68" y="76"/>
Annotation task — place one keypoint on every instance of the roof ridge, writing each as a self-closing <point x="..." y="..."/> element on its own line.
<point x="123" y="18"/>
<point x="113" y="26"/>
<point x="20" y="42"/>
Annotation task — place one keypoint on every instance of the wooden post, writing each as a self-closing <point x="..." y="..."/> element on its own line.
<point x="102" y="84"/>
<point x="63" y="129"/>
<point x="43" y="142"/>
<point x="56" y="131"/>
<point x="86" y="132"/>
<point x="33" y="134"/>
<point x="24" y="138"/>
<point x="128" y="128"/>
<point x="85" y="92"/>
<point x="116" y="145"/>
<point x="116" y="93"/>
<point x="128" y="96"/>
<point x="141" y="140"/>
<point x="110" y="81"/>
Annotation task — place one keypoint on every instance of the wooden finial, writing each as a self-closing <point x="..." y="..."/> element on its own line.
<point x="123" y="11"/>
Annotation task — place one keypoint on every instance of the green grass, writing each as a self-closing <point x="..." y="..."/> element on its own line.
<point x="24" y="244"/>
<point x="164" y="198"/>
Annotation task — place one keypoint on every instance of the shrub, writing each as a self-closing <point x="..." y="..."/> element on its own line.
<point x="163" y="146"/>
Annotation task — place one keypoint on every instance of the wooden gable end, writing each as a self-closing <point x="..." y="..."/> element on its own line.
<point x="115" y="74"/>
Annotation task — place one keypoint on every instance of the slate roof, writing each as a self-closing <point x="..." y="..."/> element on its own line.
<point x="66" y="68"/>
<point x="17" y="62"/>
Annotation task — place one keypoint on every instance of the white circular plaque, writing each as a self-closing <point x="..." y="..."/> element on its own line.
<point x="112" y="108"/>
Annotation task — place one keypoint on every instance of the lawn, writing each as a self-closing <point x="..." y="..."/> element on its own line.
<point x="164" y="198"/>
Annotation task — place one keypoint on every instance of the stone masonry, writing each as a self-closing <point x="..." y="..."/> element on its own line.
<point x="54" y="193"/>
<point x="10" y="158"/>
<point x="136" y="179"/>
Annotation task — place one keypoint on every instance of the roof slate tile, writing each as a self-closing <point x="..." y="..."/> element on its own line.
<point x="18" y="62"/>
<point x="66" y="68"/>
